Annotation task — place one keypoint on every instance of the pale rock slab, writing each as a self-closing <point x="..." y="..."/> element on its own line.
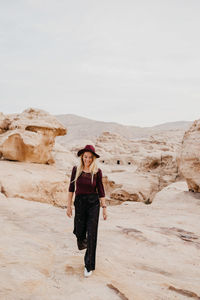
<point x="143" y="251"/>
<point x="2" y="197"/>
<point x="131" y="186"/>
<point x="189" y="160"/>
<point x="34" y="182"/>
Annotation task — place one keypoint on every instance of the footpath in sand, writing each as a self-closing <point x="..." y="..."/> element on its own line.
<point x="143" y="252"/>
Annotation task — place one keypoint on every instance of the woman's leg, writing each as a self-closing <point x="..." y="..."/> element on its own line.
<point x="92" y="230"/>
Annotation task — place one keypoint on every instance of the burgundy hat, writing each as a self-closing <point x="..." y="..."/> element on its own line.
<point x="89" y="148"/>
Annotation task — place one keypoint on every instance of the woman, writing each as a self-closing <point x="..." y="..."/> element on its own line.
<point x="89" y="193"/>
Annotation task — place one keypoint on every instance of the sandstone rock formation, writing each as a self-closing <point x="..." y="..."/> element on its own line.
<point x="189" y="161"/>
<point x="133" y="170"/>
<point x="4" y="123"/>
<point x="35" y="182"/>
<point x="29" y="136"/>
<point x="2" y="197"/>
<point x="114" y="149"/>
<point x="132" y="186"/>
<point x="163" y="164"/>
<point x="64" y="158"/>
<point x="147" y="164"/>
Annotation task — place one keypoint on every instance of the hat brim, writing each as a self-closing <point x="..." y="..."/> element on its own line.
<point x="86" y="150"/>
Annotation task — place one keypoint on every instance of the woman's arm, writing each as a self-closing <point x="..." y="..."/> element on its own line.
<point x="101" y="192"/>
<point x="103" y="204"/>
<point x="72" y="184"/>
<point x="69" y="203"/>
<point x="69" y="198"/>
<point x="102" y="201"/>
<point x="100" y="187"/>
<point x="71" y="190"/>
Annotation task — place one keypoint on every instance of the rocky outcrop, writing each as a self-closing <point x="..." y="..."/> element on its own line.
<point x="35" y="182"/>
<point x="2" y="197"/>
<point x="36" y="120"/>
<point x="131" y="186"/>
<point x="163" y="165"/>
<point x="114" y="149"/>
<point x="4" y="123"/>
<point x="27" y="146"/>
<point x="151" y="164"/>
<point x="29" y="136"/>
<point x="133" y="170"/>
<point x="189" y="160"/>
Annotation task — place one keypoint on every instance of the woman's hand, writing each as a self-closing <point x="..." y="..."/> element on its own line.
<point x="104" y="213"/>
<point x="69" y="211"/>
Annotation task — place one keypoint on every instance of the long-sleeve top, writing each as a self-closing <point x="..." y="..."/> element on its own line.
<point x="84" y="184"/>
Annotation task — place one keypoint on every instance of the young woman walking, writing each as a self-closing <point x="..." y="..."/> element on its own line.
<point x="86" y="182"/>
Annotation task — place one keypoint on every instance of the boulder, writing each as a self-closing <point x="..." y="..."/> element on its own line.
<point x="131" y="186"/>
<point x="36" y="120"/>
<point x="30" y="136"/>
<point x="2" y="196"/>
<point x="189" y="160"/>
<point x="36" y="182"/>
<point x="27" y="146"/>
<point x="4" y="123"/>
<point x="162" y="164"/>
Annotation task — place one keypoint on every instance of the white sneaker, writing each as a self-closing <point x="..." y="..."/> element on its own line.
<point x="86" y="273"/>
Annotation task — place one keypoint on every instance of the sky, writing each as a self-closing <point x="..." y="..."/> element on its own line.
<point x="134" y="62"/>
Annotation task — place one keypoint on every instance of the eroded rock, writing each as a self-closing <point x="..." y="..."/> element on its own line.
<point x="189" y="161"/>
<point x="4" y="123"/>
<point x="30" y="136"/>
<point x="134" y="186"/>
<point x="41" y="183"/>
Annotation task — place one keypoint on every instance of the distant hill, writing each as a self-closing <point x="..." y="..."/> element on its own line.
<point x="83" y="128"/>
<point x="180" y="125"/>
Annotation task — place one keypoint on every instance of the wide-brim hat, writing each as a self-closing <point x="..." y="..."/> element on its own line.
<point x="89" y="148"/>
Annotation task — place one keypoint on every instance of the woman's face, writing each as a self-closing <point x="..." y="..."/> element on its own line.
<point x="87" y="158"/>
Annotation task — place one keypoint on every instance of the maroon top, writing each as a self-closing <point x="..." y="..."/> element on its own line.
<point x="84" y="184"/>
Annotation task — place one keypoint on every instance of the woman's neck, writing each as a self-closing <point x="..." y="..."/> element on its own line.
<point x="87" y="169"/>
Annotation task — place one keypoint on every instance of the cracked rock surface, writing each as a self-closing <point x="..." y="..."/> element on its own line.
<point x="143" y="251"/>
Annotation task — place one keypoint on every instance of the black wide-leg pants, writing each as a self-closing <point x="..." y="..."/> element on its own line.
<point x="87" y="207"/>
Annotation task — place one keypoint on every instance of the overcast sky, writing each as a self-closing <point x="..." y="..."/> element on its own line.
<point x="135" y="62"/>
